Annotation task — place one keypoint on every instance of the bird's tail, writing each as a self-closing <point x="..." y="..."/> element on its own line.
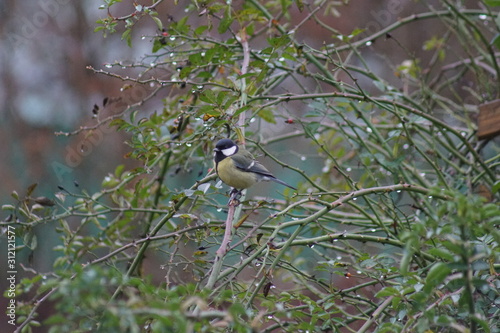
<point x="281" y="182"/>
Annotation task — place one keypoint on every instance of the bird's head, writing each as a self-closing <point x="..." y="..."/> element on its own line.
<point x="225" y="148"/>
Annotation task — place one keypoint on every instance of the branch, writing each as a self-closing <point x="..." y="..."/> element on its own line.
<point x="221" y="252"/>
<point x="375" y="314"/>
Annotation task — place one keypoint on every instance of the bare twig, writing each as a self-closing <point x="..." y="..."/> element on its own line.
<point x="221" y="252"/>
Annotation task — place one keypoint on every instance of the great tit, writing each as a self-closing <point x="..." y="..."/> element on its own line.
<point x="238" y="168"/>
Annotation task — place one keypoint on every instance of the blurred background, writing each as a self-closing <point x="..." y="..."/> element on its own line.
<point x="45" y="86"/>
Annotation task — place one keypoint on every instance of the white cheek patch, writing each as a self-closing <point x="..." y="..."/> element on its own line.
<point x="229" y="151"/>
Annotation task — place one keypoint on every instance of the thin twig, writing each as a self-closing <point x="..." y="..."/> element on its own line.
<point x="375" y="314"/>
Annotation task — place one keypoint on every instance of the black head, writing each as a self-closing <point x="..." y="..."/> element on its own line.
<point x="224" y="148"/>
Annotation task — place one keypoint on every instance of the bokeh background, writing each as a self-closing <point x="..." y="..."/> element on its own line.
<point x="45" y="86"/>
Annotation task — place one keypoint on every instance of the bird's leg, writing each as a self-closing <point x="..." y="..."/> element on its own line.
<point x="235" y="195"/>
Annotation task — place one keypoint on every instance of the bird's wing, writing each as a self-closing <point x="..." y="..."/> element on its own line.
<point x="247" y="164"/>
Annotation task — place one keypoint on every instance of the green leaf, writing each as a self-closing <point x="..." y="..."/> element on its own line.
<point x="267" y="115"/>
<point x="208" y="96"/>
<point x="201" y="29"/>
<point x="185" y="71"/>
<point x="441" y="253"/>
<point x="226" y="21"/>
<point x="158" y="22"/>
<point x="300" y="5"/>
<point x="15" y="195"/>
<point x="8" y="207"/>
<point x="496" y="187"/>
<point x="436" y="276"/>
<point x="387" y="291"/>
<point x="496" y="41"/>
<point x="195" y="59"/>
<point x="453" y="247"/>
<point x="240" y="110"/>
<point x="157" y="45"/>
<point x="492" y="2"/>
<point x="406" y="259"/>
<point x="311" y="129"/>
<point x="30" y="240"/>
<point x="127" y="36"/>
<point x="483" y="323"/>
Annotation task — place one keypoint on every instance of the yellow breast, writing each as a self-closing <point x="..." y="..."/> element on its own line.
<point x="234" y="177"/>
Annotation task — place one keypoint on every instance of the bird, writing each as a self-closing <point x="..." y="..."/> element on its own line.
<point x="237" y="167"/>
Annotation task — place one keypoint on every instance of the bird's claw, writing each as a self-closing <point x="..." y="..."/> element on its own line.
<point x="234" y="197"/>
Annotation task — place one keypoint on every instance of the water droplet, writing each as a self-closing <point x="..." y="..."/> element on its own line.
<point x="339" y="258"/>
<point x="368" y="43"/>
<point x="348" y="169"/>
<point x="406" y="146"/>
<point x="108" y="65"/>
<point x="369" y="129"/>
<point x="373" y="230"/>
<point x="303" y="158"/>
<point x="354" y="199"/>
<point x="143" y="37"/>
<point x="430" y="196"/>
<point x="483" y="17"/>
<point x="152" y="64"/>
<point x="398" y="191"/>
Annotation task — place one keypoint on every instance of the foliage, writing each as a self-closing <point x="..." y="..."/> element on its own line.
<point x="394" y="227"/>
